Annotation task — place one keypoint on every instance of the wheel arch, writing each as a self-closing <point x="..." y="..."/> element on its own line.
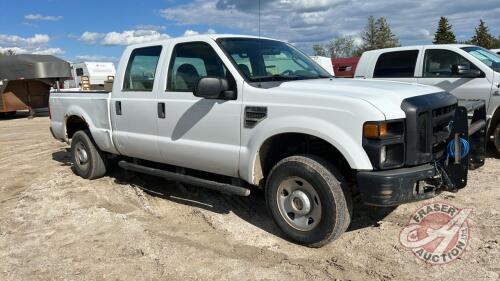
<point x="338" y="147"/>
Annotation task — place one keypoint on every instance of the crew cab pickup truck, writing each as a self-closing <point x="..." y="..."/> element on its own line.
<point x="236" y="113"/>
<point x="466" y="71"/>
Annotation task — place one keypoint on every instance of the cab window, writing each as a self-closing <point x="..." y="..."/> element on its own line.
<point x="141" y="69"/>
<point x="192" y="61"/>
<point x="400" y="64"/>
<point x="439" y="63"/>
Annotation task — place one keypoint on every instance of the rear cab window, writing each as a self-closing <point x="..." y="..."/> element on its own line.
<point x="399" y="64"/>
<point x="141" y="69"/>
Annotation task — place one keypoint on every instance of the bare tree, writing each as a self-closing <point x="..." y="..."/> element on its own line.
<point x="341" y="47"/>
<point x="319" y="50"/>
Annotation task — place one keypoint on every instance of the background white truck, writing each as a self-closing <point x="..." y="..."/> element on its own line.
<point x="97" y="74"/>
<point x="232" y="113"/>
<point x="468" y="72"/>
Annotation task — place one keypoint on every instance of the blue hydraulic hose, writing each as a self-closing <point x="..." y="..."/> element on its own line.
<point x="464" y="151"/>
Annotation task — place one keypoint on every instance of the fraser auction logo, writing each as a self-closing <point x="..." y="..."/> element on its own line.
<point x="437" y="233"/>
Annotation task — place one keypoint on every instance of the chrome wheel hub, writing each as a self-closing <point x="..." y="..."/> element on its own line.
<point x="81" y="155"/>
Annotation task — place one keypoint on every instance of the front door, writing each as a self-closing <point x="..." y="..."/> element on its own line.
<point x="437" y="71"/>
<point x="133" y="108"/>
<point x="198" y="133"/>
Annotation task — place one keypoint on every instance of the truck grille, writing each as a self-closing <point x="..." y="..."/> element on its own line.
<point x="427" y="126"/>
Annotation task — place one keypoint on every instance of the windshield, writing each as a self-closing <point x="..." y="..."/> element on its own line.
<point x="268" y="60"/>
<point x="491" y="59"/>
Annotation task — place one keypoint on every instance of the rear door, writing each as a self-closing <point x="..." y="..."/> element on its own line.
<point x="397" y="66"/>
<point x="195" y="132"/>
<point x="437" y="71"/>
<point x="134" y="106"/>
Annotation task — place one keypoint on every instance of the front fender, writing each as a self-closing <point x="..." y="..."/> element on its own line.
<point x="343" y="141"/>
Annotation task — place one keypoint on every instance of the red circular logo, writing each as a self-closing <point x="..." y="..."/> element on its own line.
<point x="437" y="233"/>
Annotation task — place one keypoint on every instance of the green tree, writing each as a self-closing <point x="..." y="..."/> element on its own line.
<point x="444" y="34"/>
<point x="369" y="35"/>
<point x="341" y="47"/>
<point x="319" y="50"/>
<point x="483" y="38"/>
<point x="496" y="43"/>
<point x="384" y="36"/>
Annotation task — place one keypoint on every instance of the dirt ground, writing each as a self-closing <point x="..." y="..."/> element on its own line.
<point x="57" y="226"/>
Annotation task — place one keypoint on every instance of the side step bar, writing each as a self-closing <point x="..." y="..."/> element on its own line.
<point x="217" y="186"/>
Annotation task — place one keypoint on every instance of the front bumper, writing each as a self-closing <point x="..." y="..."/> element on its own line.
<point x="395" y="187"/>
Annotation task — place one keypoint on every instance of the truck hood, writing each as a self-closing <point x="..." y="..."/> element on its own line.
<point x="386" y="96"/>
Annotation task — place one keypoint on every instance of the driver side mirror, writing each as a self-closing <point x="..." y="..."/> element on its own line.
<point x="464" y="70"/>
<point x="214" y="88"/>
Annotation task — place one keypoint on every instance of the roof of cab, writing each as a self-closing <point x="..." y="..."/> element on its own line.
<point x="440" y="46"/>
<point x="195" y="38"/>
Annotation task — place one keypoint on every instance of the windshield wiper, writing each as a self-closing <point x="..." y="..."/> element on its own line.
<point x="279" y="77"/>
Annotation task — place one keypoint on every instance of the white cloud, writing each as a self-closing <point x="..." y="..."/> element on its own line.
<point x="91" y="37"/>
<point x="16" y="41"/>
<point x="36" y="51"/>
<point x="37" y="44"/>
<point x="190" y="32"/>
<point x="96" y="58"/>
<point x="150" y="27"/>
<point x="48" y="51"/>
<point x="42" y="17"/>
<point x="305" y="22"/>
<point x="126" y="37"/>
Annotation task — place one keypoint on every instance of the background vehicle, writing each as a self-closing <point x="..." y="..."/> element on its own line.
<point x="25" y="81"/>
<point x="325" y="62"/>
<point x="345" y="67"/>
<point x="468" y="72"/>
<point x="231" y="113"/>
<point x="91" y="75"/>
<point x="496" y="51"/>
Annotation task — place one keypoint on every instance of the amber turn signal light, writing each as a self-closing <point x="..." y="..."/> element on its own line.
<point x="375" y="130"/>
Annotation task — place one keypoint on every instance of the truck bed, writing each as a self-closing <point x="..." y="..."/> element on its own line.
<point x="92" y="106"/>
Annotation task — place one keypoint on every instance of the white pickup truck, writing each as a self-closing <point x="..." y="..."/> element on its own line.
<point x="466" y="71"/>
<point x="232" y="113"/>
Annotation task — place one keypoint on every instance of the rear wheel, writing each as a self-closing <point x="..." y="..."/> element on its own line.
<point x="88" y="161"/>
<point x="496" y="135"/>
<point x="308" y="200"/>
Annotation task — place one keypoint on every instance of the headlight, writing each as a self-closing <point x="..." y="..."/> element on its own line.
<point x="383" y="129"/>
<point x="384" y="142"/>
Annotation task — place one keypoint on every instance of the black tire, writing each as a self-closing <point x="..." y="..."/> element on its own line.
<point x="496" y="136"/>
<point x="335" y="202"/>
<point x="88" y="161"/>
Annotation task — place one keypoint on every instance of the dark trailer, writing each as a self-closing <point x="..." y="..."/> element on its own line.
<point x="25" y="81"/>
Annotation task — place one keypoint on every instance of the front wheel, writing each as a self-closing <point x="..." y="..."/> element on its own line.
<point x="308" y="200"/>
<point x="88" y="161"/>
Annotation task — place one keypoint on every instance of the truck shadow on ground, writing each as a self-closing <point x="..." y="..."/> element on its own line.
<point x="251" y="209"/>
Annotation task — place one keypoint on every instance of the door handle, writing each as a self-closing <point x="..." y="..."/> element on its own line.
<point x="118" y="107"/>
<point x="161" y="110"/>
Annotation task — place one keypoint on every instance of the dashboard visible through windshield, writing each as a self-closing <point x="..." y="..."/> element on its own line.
<point x="261" y="60"/>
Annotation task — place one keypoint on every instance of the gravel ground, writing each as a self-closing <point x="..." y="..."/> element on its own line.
<point x="55" y="225"/>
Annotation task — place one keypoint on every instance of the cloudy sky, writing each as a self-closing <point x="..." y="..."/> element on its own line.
<point x="99" y="30"/>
